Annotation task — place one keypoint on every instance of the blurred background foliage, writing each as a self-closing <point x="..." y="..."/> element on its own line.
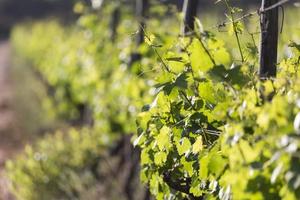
<point x="92" y="87"/>
<point x="14" y="11"/>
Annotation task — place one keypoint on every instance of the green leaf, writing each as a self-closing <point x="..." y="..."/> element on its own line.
<point x="181" y="81"/>
<point x="184" y="146"/>
<point x="163" y="138"/>
<point x="160" y="158"/>
<point x="251" y="154"/>
<point x="188" y="166"/>
<point x="200" y="60"/>
<point x="145" y="159"/>
<point x="149" y="39"/>
<point x="198" y="145"/>
<point x="206" y="91"/>
<point x="235" y="75"/>
<point x="203" y="171"/>
<point x="216" y="164"/>
<point x="196" y="188"/>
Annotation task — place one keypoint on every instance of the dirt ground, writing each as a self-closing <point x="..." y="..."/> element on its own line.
<point x="22" y="115"/>
<point x="10" y="132"/>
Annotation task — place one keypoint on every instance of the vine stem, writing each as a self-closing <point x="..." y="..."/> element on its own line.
<point x="205" y="49"/>
<point x="235" y="30"/>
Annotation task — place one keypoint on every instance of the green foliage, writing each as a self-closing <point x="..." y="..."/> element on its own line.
<point x="59" y="166"/>
<point x="218" y="131"/>
<point x="85" y="67"/>
<point x="82" y="66"/>
<point x="207" y="126"/>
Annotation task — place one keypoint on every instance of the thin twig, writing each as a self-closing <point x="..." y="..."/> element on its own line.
<point x="235" y="30"/>
<point x="250" y="14"/>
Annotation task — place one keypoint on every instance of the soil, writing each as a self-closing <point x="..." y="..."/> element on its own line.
<point x="11" y="141"/>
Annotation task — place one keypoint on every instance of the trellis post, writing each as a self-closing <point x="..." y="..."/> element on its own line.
<point x="190" y="13"/>
<point x="114" y="23"/>
<point x="269" y="39"/>
<point x="141" y="14"/>
<point x="141" y="9"/>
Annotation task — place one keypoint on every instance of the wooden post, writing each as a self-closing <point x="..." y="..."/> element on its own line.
<point x="141" y="9"/>
<point x="141" y="14"/>
<point x="269" y="39"/>
<point x="114" y="23"/>
<point x="190" y="12"/>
